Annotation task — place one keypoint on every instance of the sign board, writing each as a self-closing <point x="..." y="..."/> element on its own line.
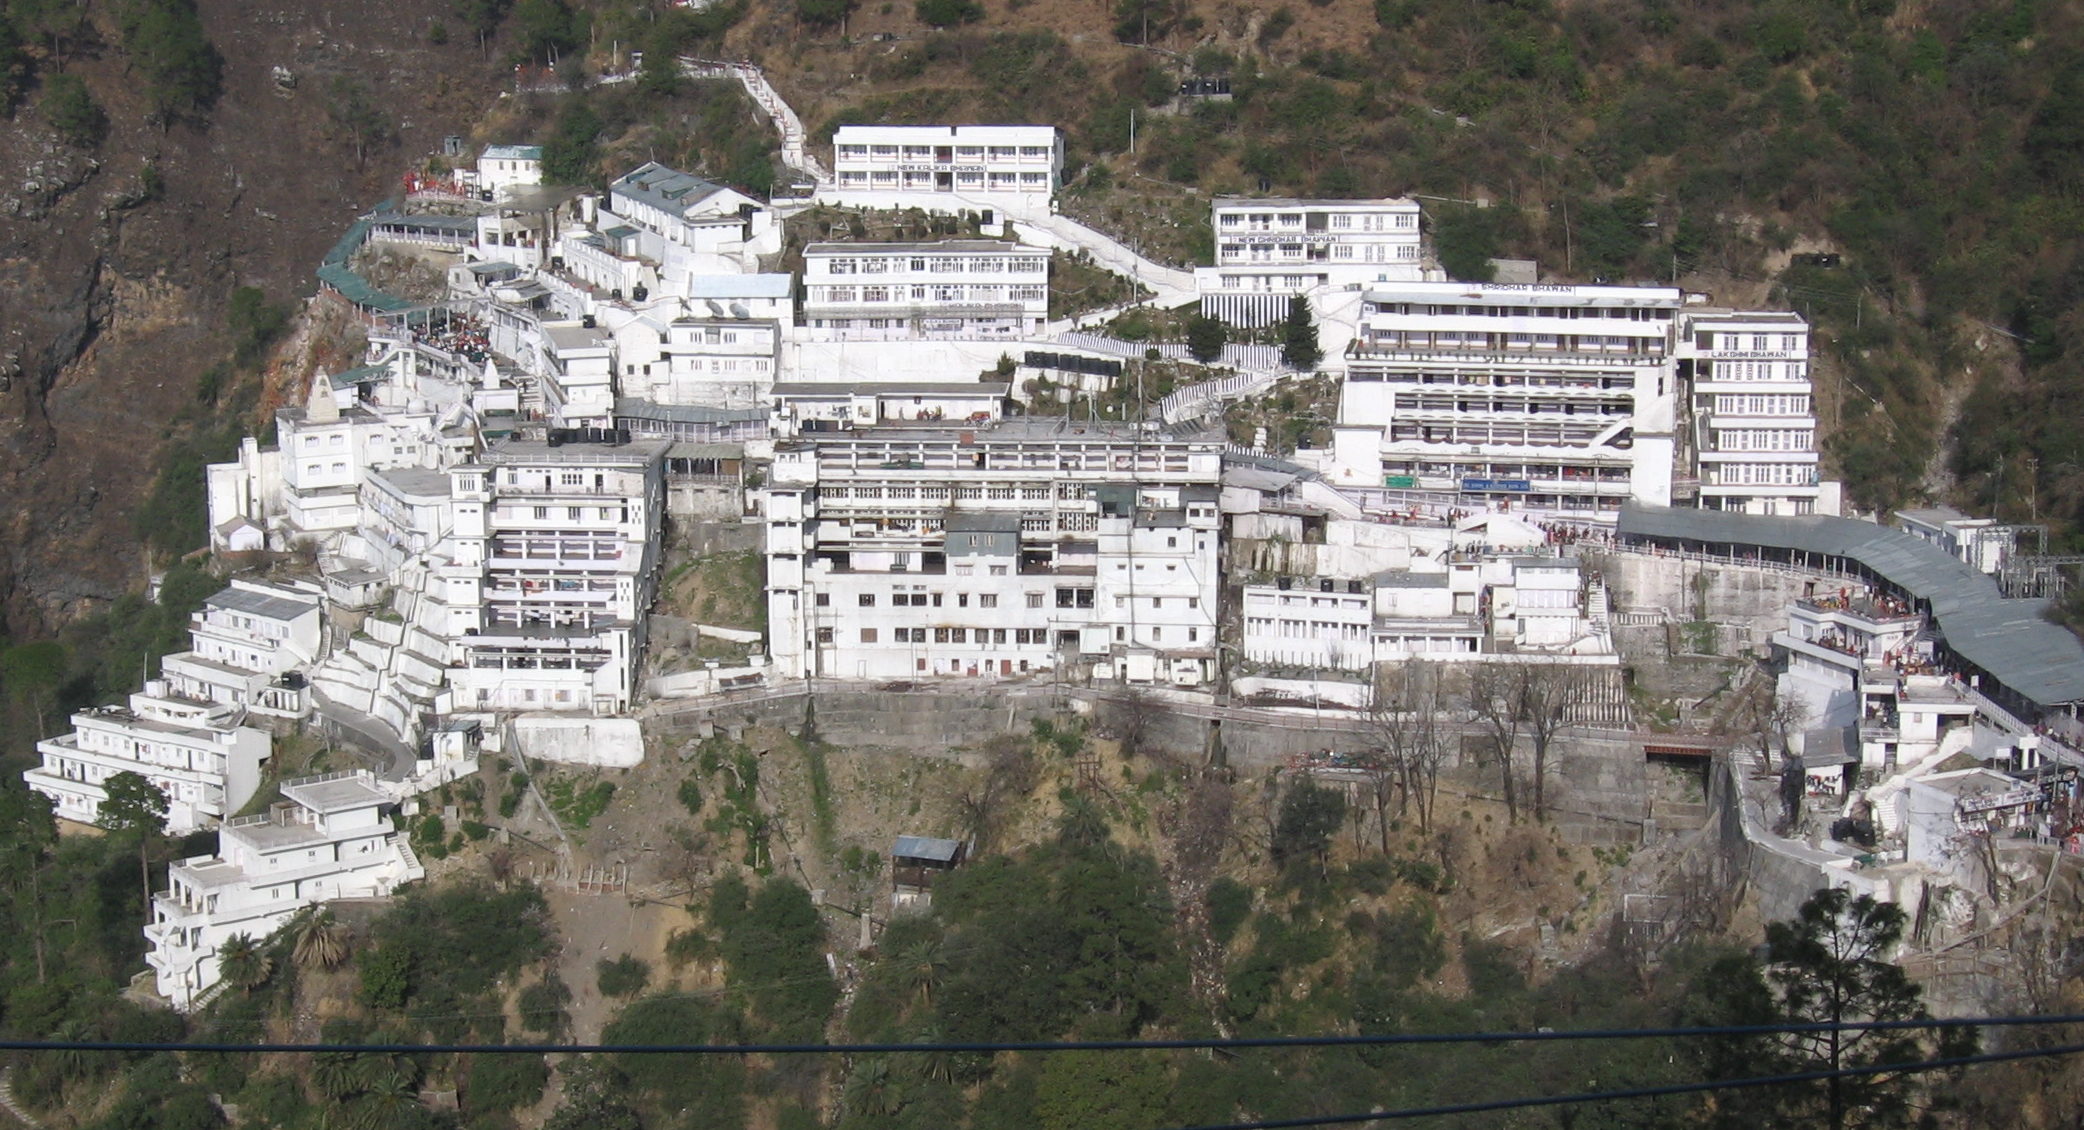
<point x="2010" y="798"/>
<point x="1400" y="482"/>
<point x="1510" y="486"/>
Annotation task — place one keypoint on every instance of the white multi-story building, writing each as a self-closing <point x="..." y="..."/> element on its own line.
<point x="578" y="375"/>
<point x="244" y="642"/>
<point x="1473" y="607"/>
<point x="686" y="225"/>
<point x="328" y="838"/>
<point x="1559" y="399"/>
<point x="1018" y="547"/>
<point x="503" y="168"/>
<point x="1754" y="424"/>
<point x="197" y="753"/>
<point x="707" y="362"/>
<point x="954" y="289"/>
<point x="554" y="563"/>
<point x="1269" y="250"/>
<point x="967" y="160"/>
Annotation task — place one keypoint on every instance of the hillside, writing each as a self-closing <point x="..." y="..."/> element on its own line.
<point x="1932" y="145"/>
<point x="1928" y="144"/>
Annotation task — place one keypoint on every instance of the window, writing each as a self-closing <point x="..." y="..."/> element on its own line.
<point x="868" y="635"/>
<point x="822" y="600"/>
<point x="1034" y="600"/>
<point x="868" y="600"/>
<point x="988" y="600"/>
<point x="824" y="636"/>
<point x="542" y="513"/>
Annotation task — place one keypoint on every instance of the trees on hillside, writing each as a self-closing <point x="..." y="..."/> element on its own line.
<point x="182" y="70"/>
<point x="1830" y="964"/>
<point x="133" y="806"/>
<point x="1407" y="741"/>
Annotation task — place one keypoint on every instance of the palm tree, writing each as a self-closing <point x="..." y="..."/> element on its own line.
<point x="922" y="965"/>
<point x="933" y="1066"/>
<point x="321" y="940"/>
<point x="871" y="1090"/>
<point x="333" y="1073"/>
<point x="241" y="961"/>
<point x="386" y="1102"/>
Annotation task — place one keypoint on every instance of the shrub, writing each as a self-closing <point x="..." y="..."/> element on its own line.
<point x="623" y="976"/>
<point x="504" y="1082"/>
<point x="1229" y="903"/>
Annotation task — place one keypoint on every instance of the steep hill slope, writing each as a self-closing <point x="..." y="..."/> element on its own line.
<point x="117" y="261"/>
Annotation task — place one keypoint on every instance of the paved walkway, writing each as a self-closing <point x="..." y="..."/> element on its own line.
<point x="392" y="759"/>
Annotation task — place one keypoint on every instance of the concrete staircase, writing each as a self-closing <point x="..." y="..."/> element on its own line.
<point x="1172" y="286"/>
<point x="394" y="668"/>
<point x="795" y="148"/>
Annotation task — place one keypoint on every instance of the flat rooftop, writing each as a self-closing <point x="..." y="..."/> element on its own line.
<point x="635" y="453"/>
<point x="335" y="794"/>
<point x="264" y="605"/>
<point x="1398" y="203"/>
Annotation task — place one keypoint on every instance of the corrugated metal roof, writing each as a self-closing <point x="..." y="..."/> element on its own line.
<point x="668" y="190"/>
<point x="926" y="847"/>
<point x="2009" y="639"/>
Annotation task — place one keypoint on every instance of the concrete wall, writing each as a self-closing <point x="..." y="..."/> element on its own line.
<point x="1599" y="786"/>
<point x="614" y="743"/>
<point x="1750" y="602"/>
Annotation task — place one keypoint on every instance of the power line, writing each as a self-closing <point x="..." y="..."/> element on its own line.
<point x="991" y="1047"/>
<point x="1644" y="1092"/>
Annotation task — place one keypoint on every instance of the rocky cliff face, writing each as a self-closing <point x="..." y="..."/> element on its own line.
<point x="116" y="265"/>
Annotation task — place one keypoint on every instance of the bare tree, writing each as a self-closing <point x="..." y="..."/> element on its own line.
<point x="1497" y="696"/>
<point x="1407" y="741"/>
<point x="1129" y="717"/>
<point x="1009" y="774"/>
<point x="1551" y="694"/>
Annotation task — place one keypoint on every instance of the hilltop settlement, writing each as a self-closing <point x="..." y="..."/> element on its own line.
<point x="953" y="477"/>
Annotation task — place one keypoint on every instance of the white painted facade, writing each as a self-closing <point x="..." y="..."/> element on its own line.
<point x="328" y="838"/>
<point x="687" y="226"/>
<point x="243" y="642"/>
<point x="1558" y="399"/>
<point x="693" y="361"/>
<point x="968" y="160"/>
<point x="503" y="168"/>
<point x="953" y="289"/>
<point x="554" y="563"/>
<point x="1754" y="436"/>
<point x="903" y="552"/>
<point x="197" y="753"/>
<point x="1268" y="250"/>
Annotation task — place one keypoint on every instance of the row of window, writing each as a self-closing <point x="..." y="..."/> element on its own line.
<point x="1764" y="439"/>
<point x="1456" y="339"/>
<point x="959" y="152"/>
<point x="1754" y="371"/>
<point x="1762" y="474"/>
<point x="963" y="178"/>
<point x="938" y="265"/>
<point x="1339" y="221"/>
<point x="1754" y="343"/>
<point x="1572" y="313"/>
<point x="823" y="294"/>
<point x="1756" y="404"/>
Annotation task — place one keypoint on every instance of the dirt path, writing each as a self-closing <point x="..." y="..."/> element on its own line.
<point x="595" y="927"/>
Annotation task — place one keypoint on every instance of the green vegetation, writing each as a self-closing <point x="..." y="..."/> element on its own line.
<point x="623" y="976"/>
<point x="181" y="69"/>
<point x="947" y="13"/>
<point x="71" y="110"/>
<point x="1206" y="337"/>
<point x="1299" y="348"/>
<point x="576" y="806"/>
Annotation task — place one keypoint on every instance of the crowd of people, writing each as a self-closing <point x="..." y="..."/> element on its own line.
<point x="462" y="335"/>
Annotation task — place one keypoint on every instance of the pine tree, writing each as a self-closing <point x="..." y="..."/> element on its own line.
<point x="1299" y="349"/>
